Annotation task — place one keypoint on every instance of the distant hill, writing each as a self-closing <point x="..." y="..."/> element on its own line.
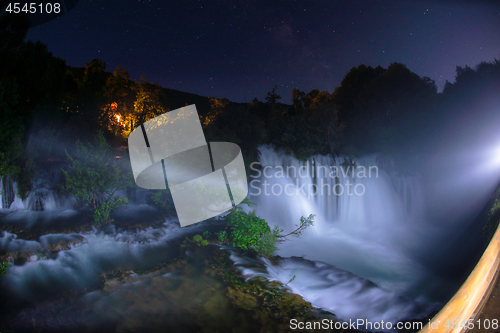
<point x="173" y="99"/>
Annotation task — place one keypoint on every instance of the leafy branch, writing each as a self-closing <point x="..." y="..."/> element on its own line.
<point x="304" y="223"/>
<point x="248" y="231"/>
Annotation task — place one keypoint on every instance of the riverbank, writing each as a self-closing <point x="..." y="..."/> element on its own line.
<point x="200" y="290"/>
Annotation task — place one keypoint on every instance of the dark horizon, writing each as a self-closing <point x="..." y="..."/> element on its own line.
<point x="241" y="50"/>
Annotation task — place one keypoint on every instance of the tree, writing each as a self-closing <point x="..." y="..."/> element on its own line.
<point x="10" y="131"/>
<point x="119" y="107"/>
<point x="93" y="76"/>
<point x="147" y="104"/>
<point x="30" y="78"/>
<point x="314" y="128"/>
<point x="13" y="30"/>
<point x="272" y="97"/>
<point x="234" y="123"/>
<point x="217" y="108"/>
<point x="298" y="101"/>
<point x="380" y="108"/>
<point x="277" y="115"/>
<point x="89" y="100"/>
<point x="94" y="178"/>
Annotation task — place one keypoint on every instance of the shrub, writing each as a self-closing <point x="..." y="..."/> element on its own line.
<point x="246" y="228"/>
<point x="198" y="240"/>
<point x="3" y="268"/>
<point x="266" y="244"/>
<point x="94" y="177"/>
<point x="162" y="199"/>
<point x="222" y="235"/>
<point x="248" y="231"/>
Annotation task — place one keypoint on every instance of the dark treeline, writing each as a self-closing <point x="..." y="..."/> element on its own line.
<point x="44" y="104"/>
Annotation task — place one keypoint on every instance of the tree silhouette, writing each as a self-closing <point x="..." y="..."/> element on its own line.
<point x="147" y="104"/>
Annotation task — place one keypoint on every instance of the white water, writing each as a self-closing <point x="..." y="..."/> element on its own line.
<point x="355" y="239"/>
<point x="348" y="296"/>
<point x="372" y="235"/>
<point x="80" y="265"/>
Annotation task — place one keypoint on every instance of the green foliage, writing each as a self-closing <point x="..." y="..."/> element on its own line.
<point x="381" y="108"/>
<point x="11" y="130"/>
<point x="301" y="139"/>
<point x="246" y="228"/>
<point x="94" y="177"/>
<point x="118" y="111"/>
<point x="493" y="220"/>
<point x="198" y="239"/>
<point x="3" y="268"/>
<point x="292" y="279"/>
<point x="12" y="160"/>
<point x="148" y="101"/>
<point x="24" y="177"/>
<point x="162" y="199"/>
<point x="103" y="211"/>
<point x="248" y="231"/>
<point x="266" y="244"/>
<point x="222" y="235"/>
<point x="495" y="208"/>
<point x="312" y="126"/>
<point x="304" y="223"/>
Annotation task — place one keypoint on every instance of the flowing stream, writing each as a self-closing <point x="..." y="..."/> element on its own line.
<point x="360" y="260"/>
<point x="369" y="221"/>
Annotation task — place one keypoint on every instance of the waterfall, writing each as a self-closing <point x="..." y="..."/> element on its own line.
<point x="346" y="295"/>
<point x="369" y="219"/>
<point x="44" y="194"/>
<point x="6" y="192"/>
<point x="341" y="191"/>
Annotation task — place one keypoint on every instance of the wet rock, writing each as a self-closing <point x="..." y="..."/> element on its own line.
<point x="20" y="251"/>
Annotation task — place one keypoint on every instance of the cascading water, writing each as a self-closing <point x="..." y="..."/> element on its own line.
<point x="368" y="221"/>
<point x="347" y="295"/>
<point x="86" y="255"/>
<point x="6" y="192"/>
<point x="43" y="196"/>
<point x="359" y="255"/>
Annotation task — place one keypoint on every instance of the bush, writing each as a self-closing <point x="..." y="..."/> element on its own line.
<point x="493" y="218"/>
<point x="198" y="240"/>
<point x="246" y="228"/>
<point x="162" y="200"/>
<point x="222" y="235"/>
<point x="94" y="177"/>
<point x="3" y="268"/>
<point x="248" y="231"/>
<point x="266" y="244"/>
<point x="103" y="211"/>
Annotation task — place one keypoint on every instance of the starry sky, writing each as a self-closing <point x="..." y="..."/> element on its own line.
<point x="241" y="49"/>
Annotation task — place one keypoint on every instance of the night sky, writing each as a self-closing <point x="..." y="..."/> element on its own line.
<point x="241" y="49"/>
